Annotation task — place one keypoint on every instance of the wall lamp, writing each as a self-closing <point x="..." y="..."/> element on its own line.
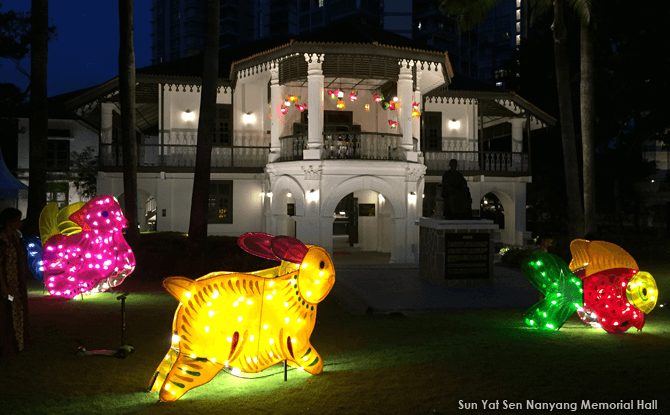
<point x="454" y="124"/>
<point x="188" y="115"/>
<point x="248" y="118"/>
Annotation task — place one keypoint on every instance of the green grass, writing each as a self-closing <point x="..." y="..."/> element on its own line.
<point x="417" y="364"/>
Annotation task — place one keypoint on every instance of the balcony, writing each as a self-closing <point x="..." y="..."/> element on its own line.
<point x="490" y="163"/>
<point x="345" y="145"/>
<point x="179" y="155"/>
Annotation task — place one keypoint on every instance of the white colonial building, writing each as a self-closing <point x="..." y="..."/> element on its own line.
<point x="317" y="169"/>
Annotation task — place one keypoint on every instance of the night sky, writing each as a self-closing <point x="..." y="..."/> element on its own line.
<point x="86" y="51"/>
<point x="87" y="48"/>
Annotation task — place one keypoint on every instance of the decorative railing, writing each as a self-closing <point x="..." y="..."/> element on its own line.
<point x="479" y="161"/>
<point x="367" y="146"/>
<point x="291" y="147"/>
<point x="180" y="155"/>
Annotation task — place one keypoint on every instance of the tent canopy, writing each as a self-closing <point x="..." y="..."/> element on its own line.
<point x="9" y="185"/>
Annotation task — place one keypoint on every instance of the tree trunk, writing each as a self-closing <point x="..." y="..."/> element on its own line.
<point x="587" y="108"/>
<point x="197" y="230"/>
<point x="39" y="116"/>
<point x="575" y="212"/>
<point x="127" y="97"/>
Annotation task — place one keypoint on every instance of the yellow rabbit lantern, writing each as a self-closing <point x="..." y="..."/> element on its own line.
<point x="246" y="322"/>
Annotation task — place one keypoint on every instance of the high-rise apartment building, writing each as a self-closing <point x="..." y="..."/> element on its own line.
<point x="482" y="52"/>
<point x="178" y="27"/>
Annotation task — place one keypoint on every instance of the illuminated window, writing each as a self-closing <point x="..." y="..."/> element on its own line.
<point x="518" y="14"/>
<point x="518" y="40"/>
<point x="220" y="205"/>
<point x="518" y="27"/>
<point x="518" y="3"/>
<point x="58" y="192"/>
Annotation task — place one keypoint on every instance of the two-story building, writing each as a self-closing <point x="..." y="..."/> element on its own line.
<point x="343" y="131"/>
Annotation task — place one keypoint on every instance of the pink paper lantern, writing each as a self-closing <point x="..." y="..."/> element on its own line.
<point x="93" y="260"/>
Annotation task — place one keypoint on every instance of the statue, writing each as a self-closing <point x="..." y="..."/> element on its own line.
<point x="456" y="194"/>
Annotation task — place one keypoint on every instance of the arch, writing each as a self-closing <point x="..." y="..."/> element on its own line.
<point x="391" y="194"/>
<point x="282" y="186"/>
<point x="507" y="234"/>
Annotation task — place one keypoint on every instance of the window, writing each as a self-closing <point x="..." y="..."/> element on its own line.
<point x="58" y="155"/>
<point x="432" y="128"/>
<point x="220" y="206"/>
<point x="223" y="137"/>
<point x="58" y="192"/>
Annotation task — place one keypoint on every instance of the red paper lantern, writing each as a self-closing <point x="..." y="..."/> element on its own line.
<point x="393" y="124"/>
<point x="353" y="95"/>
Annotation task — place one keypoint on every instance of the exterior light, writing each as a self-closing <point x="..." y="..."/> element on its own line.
<point x="289" y="194"/>
<point x="454" y="124"/>
<point x="269" y="194"/>
<point x="412" y="197"/>
<point x="188" y="115"/>
<point x="248" y="118"/>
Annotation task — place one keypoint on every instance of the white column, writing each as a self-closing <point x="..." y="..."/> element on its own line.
<point x="517" y="141"/>
<point x="314" y="106"/>
<point x="405" y="110"/>
<point x="275" y="123"/>
<point x="416" y="122"/>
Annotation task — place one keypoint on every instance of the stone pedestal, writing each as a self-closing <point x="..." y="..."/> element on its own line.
<point x="457" y="253"/>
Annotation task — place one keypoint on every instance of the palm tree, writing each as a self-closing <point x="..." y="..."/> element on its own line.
<point x="472" y="12"/>
<point x="39" y="114"/>
<point x="127" y="96"/>
<point x="197" y="229"/>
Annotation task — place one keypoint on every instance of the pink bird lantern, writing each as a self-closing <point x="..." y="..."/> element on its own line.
<point x="93" y="260"/>
<point x="393" y="124"/>
<point x="353" y="95"/>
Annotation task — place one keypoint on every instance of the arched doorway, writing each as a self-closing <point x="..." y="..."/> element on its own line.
<point x="492" y="208"/>
<point x="364" y="221"/>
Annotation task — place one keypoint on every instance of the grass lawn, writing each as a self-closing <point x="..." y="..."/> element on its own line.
<point x="415" y="364"/>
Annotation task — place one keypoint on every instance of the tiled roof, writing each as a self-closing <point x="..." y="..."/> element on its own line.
<point x="346" y="33"/>
<point x="57" y="109"/>
<point x="464" y="87"/>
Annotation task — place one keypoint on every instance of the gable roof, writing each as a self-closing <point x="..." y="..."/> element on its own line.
<point x="490" y="96"/>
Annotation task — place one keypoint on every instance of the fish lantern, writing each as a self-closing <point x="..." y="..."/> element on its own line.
<point x="392" y="105"/>
<point x="377" y="98"/>
<point x="284" y="109"/>
<point x="353" y="95"/>
<point x="246" y="322"/>
<point x="332" y="94"/>
<point x="367" y="107"/>
<point x="33" y="247"/>
<point x="393" y="124"/>
<point x="340" y="103"/>
<point x="603" y="284"/>
<point x="301" y="107"/>
<point x="85" y="252"/>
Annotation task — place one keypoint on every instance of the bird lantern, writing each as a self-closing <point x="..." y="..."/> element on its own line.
<point x="84" y="249"/>
<point x="393" y="124"/>
<point x="377" y="98"/>
<point x="353" y="95"/>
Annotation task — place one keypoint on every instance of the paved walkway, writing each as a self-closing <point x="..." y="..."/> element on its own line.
<point x="367" y="282"/>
